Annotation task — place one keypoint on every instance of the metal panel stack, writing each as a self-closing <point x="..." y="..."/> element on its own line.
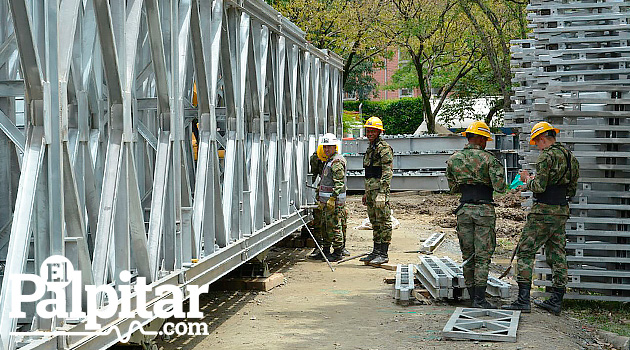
<point x="582" y="86"/>
<point x="444" y="279"/>
<point x="420" y="161"/>
<point x="403" y="288"/>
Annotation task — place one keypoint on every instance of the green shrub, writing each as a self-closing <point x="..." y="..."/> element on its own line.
<point x="401" y="116"/>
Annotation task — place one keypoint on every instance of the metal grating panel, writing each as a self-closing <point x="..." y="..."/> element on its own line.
<point x="482" y="324"/>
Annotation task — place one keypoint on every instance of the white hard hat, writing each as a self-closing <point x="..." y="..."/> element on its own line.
<point x="328" y="140"/>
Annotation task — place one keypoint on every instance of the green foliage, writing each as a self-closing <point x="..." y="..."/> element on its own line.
<point x="361" y="81"/>
<point x="404" y="77"/>
<point x="607" y="315"/>
<point x="351" y="120"/>
<point x="399" y="116"/>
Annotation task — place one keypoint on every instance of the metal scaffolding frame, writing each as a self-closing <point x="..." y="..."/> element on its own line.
<point x="573" y="72"/>
<point x="96" y="155"/>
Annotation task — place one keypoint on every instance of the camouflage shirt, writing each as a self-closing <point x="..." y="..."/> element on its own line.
<point x="551" y="169"/>
<point x="379" y="153"/>
<point x="474" y="165"/>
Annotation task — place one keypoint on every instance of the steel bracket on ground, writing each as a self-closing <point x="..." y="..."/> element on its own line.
<point x="403" y="288"/>
<point x="482" y="324"/>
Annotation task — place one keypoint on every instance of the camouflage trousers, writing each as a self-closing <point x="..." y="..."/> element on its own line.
<point x="475" y="230"/>
<point x="548" y="230"/>
<point x="380" y="218"/>
<point x="317" y="225"/>
<point x="333" y="223"/>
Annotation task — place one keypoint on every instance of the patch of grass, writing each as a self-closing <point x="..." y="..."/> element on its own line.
<point x="506" y="243"/>
<point x="610" y="316"/>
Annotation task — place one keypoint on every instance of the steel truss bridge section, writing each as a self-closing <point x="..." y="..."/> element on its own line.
<point x="99" y="101"/>
<point x="573" y="72"/>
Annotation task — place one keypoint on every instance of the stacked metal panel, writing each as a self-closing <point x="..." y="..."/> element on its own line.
<point x="444" y="279"/>
<point x="403" y="288"/>
<point x="579" y="82"/>
<point x="420" y="161"/>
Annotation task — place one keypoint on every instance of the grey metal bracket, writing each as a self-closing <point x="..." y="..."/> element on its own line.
<point x="482" y="324"/>
<point x="404" y="285"/>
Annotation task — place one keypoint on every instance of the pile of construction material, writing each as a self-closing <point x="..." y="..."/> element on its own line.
<point x="420" y="161"/>
<point x="574" y="73"/>
<point x="443" y="278"/>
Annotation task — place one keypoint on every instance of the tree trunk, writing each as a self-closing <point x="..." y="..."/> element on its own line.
<point x="429" y="117"/>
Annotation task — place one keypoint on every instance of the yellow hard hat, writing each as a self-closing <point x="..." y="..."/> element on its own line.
<point x="539" y="128"/>
<point x="320" y="153"/>
<point x="478" y="128"/>
<point x="375" y="123"/>
<point x="194" y="97"/>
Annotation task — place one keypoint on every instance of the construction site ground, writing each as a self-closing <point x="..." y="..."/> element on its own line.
<point x="352" y="308"/>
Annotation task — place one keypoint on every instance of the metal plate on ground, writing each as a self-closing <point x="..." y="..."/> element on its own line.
<point x="482" y="324"/>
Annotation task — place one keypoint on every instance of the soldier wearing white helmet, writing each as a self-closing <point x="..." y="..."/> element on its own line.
<point x="332" y="198"/>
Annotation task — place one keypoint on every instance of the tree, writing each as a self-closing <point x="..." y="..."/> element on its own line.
<point x="361" y="81"/>
<point x="350" y="28"/>
<point x="437" y="40"/>
<point x="495" y="24"/>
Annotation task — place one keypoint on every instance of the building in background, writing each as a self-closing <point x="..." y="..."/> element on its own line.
<point x="383" y="77"/>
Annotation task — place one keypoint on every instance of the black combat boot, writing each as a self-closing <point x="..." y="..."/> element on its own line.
<point x="345" y="251"/>
<point x="372" y="254"/>
<point x="316" y="254"/>
<point x="382" y="257"/>
<point x="336" y="255"/>
<point x="471" y="294"/>
<point x="480" y="301"/>
<point x="522" y="301"/>
<point x="554" y="303"/>
<point x="326" y="251"/>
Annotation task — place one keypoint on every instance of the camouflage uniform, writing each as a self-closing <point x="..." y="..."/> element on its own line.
<point x="333" y="184"/>
<point x="476" y="219"/>
<point x="317" y="166"/>
<point x="546" y="222"/>
<point x="379" y="155"/>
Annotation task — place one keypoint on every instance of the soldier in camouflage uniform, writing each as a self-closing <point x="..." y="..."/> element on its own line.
<point x="378" y="163"/>
<point x="317" y="162"/>
<point x="332" y="198"/>
<point x="475" y="173"/>
<point x="316" y="168"/>
<point x="557" y="172"/>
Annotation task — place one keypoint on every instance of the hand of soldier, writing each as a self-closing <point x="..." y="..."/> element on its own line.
<point x="380" y="200"/>
<point x="364" y="200"/>
<point x="321" y="205"/>
<point x="330" y="204"/>
<point x="524" y="175"/>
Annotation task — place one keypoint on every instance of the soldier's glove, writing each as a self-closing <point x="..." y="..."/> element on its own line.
<point x="380" y="200"/>
<point x="330" y="204"/>
<point x="321" y="205"/>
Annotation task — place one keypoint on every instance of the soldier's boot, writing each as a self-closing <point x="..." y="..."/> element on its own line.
<point x="471" y="293"/>
<point x="336" y="255"/>
<point x="372" y="254"/>
<point x="382" y="257"/>
<point x="554" y="303"/>
<point x="480" y="301"/>
<point x="345" y="251"/>
<point x="521" y="303"/>
<point x="316" y="254"/>
<point x="326" y="251"/>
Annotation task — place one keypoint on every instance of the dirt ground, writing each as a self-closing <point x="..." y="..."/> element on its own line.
<point x="352" y="308"/>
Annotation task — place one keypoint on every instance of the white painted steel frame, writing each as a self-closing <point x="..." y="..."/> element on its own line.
<point x="99" y="165"/>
